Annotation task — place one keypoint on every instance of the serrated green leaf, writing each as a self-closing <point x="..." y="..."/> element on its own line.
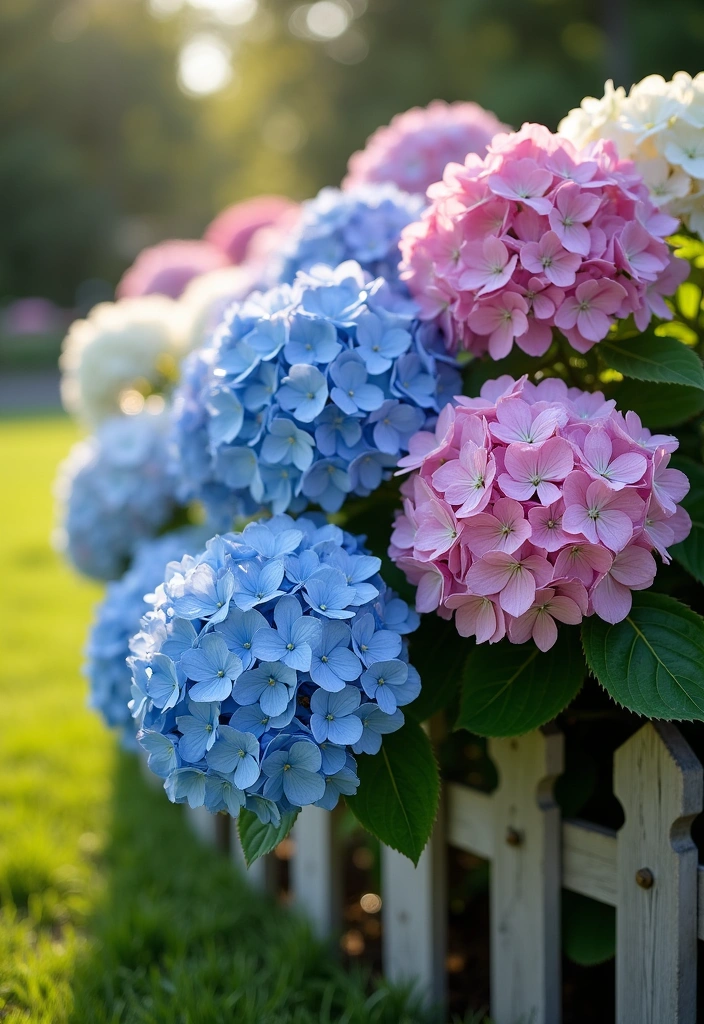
<point x="690" y="552"/>
<point x="399" y="790"/>
<point x="648" y="357"/>
<point x="658" y="405"/>
<point x="652" y="662"/>
<point x="440" y="677"/>
<point x="509" y="689"/>
<point x="588" y="930"/>
<point x="258" y="839"/>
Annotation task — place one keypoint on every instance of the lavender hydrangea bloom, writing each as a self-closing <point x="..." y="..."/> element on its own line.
<point x="117" y="619"/>
<point x="255" y="429"/>
<point x="362" y="224"/>
<point x="115" y="490"/>
<point x="264" y="707"/>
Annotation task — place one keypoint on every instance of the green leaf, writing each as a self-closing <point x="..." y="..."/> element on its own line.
<point x="440" y="677"/>
<point x="658" y="405"/>
<point x="652" y="662"/>
<point x="588" y="929"/>
<point x="509" y="689"/>
<point x="648" y="357"/>
<point x="690" y="552"/>
<point x="397" y="799"/>
<point x="258" y="839"/>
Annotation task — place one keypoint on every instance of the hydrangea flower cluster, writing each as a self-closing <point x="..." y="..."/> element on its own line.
<point x="533" y="505"/>
<point x="203" y="303"/>
<point x="363" y="224"/>
<point x="660" y="125"/>
<point x="268" y="662"/>
<point x="166" y="268"/>
<point x="118" y="619"/>
<point x="309" y="393"/>
<point x="413" y="150"/>
<point x="115" y="489"/>
<point x="233" y="230"/>
<point x="121" y="348"/>
<point x="537" y="236"/>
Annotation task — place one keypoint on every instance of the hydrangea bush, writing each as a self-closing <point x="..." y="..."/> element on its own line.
<point x="269" y="661"/>
<point x="363" y="224"/>
<point x="117" y="620"/>
<point x="166" y="268"/>
<point x="134" y="344"/>
<point x="308" y="393"/>
<point x="114" y="489"/>
<point x="534" y="505"/>
<point x="659" y="125"/>
<point x="536" y="236"/>
<point x="414" y="149"/>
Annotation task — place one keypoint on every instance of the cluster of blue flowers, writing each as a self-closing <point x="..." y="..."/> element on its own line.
<point x="115" y="489"/>
<point x="363" y="224"/>
<point x="268" y="662"/>
<point x="118" y="618"/>
<point x="309" y="392"/>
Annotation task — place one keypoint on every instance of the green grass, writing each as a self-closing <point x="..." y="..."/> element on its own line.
<point x="110" y="911"/>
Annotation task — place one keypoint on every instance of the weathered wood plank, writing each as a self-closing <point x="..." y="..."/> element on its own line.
<point x="414" y="910"/>
<point x="589" y="861"/>
<point x="658" y="780"/>
<point x="526" y="879"/>
<point x="470" y="820"/>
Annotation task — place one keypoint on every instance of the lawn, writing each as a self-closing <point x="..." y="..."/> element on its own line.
<point x="110" y="910"/>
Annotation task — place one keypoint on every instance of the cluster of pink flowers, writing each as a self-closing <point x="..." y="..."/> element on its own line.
<point x="535" y="504"/>
<point x="166" y="268"/>
<point x="539" y="235"/>
<point x="414" y="148"/>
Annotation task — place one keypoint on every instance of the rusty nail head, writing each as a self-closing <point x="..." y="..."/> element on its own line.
<point x="644" y="878"/>
<point x="513" y="837"/>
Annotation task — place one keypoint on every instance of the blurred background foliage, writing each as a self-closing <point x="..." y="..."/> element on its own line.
<point x="127" y="121"/>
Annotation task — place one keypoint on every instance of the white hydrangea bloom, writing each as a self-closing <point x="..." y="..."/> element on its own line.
<point x="659" y="125"/>
<point x="207" y="297"/>
<point x="121" y="351"/>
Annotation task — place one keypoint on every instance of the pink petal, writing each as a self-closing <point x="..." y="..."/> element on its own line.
<point x="518" y="593"/>
<point x="544" y="631"/>
<point x="555" y="460"/>
<point x="614" y="528"/>
<point x="487" y="577"/>
<point x="611" y="600"/>
<point x="566" y="610"/>
<point x="634" y="567"/>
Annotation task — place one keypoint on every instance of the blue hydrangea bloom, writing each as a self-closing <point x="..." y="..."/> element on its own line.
<point x="363" y="224"/>
<point x="114" y="490"/>
<point x="117" y="619"/>
<point x="255" y="428"/>
<point x="264" y="707"/>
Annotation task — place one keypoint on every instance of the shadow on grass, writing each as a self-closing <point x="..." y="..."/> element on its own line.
<point x="180" y="939"/>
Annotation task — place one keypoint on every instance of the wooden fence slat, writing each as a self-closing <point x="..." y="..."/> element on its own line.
<point x="470" y="820"/>
<point x="316" y="870"/>
<point x="589" y="861"/>
<point x="415" y="916"/>
<point x="526" y="880"/>
<point x="658" y="781"/>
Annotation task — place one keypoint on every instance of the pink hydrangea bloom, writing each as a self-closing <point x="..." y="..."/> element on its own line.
<point x="532" y="505"/>
<point x="166" y="268"/>
<point x="414" y="148"/>
<point x="234" y="229"/>
<point x="538" y="235"/>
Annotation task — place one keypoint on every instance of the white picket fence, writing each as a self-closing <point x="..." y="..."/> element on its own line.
<point x="648" y="871"/>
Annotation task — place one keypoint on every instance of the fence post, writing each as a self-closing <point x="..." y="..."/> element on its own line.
<point x="658" y="781"/>
<point x="415" y="915"/>
<point x="316" y="870"/>
<point x="526" y="879"/>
